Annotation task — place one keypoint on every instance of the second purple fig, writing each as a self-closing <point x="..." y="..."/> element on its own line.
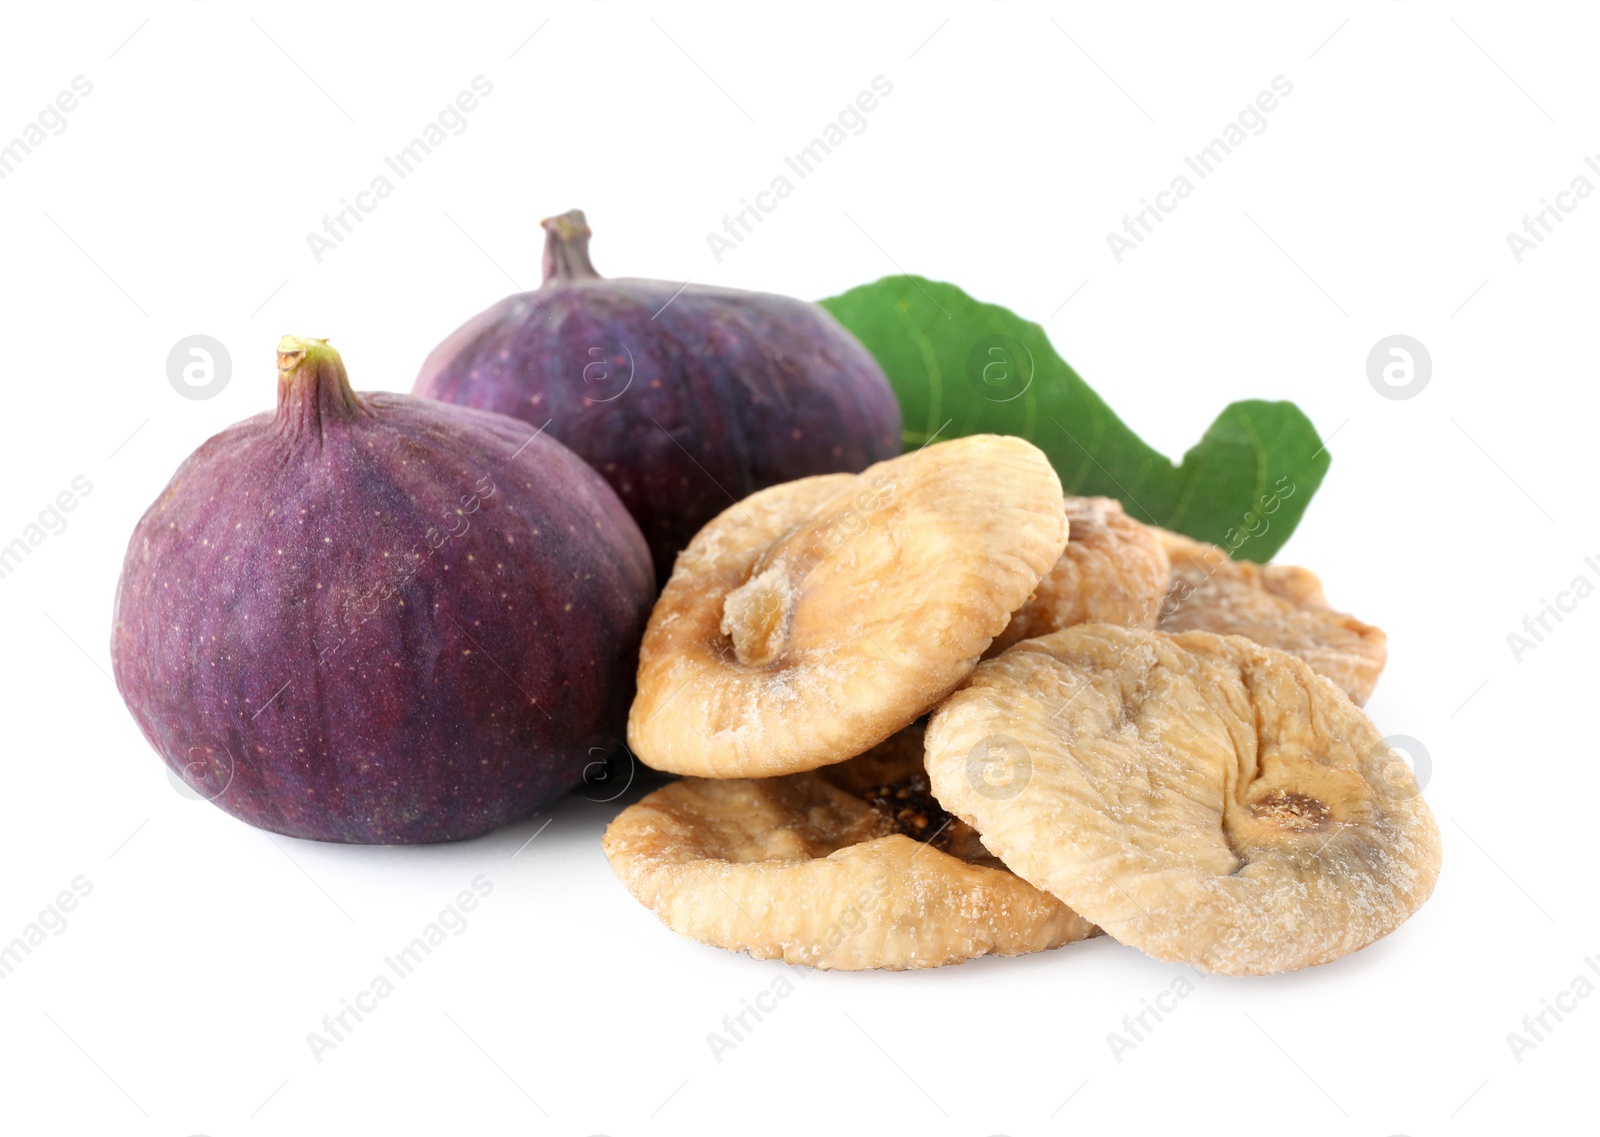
<point x="686" y="398"/>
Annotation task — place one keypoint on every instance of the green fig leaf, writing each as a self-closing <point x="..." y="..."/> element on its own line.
<point x="960" y="367"/>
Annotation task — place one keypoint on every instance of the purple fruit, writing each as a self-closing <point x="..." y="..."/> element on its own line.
<point x="686" y="398"/>
<point x="380" y="619"/>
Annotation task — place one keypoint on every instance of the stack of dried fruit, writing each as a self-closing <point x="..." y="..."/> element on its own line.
<point x="1165" y="746"/>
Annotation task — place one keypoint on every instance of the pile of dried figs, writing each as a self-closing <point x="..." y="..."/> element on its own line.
<point x="934" y="711"/>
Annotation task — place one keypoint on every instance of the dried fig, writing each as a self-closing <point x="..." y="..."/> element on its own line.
<point x="816" y="618"/>
<point x="850" y="867"/>
<point x="1114" y="571"/>
<point x="1201" y="797"/>
<point x="683" y="396"/>
<point x="1280" y="606"/>
<point x="380" y="619"/>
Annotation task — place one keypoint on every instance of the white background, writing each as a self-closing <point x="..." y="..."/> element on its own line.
<point x="177" y="201"/>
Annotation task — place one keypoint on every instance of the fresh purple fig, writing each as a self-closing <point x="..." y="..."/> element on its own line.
<point x="686" y="398"/>
<point x="380" y="619"/>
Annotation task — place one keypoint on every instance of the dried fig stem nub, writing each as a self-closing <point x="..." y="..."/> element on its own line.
<point x="566" y="247"/>
<point x="313" y="388"/>
<point x="755" y="617"/>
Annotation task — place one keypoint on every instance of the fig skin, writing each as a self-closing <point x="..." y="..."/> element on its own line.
<point x="685" y="398"/>
<point x="299" y="637"/>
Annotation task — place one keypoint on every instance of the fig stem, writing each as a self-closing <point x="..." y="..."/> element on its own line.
<point x="313" y="387"/>
<point x="566" y="247"/>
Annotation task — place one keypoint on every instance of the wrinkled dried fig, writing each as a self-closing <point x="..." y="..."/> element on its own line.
<point x="1114" y="571"/>
<point x="850" y="867"/>
<point x="1280" y="606"/>
<point x="816" y="618"/>
<point x="1203" y="798"/>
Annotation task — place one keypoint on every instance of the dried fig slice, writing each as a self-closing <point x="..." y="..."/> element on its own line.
<point x="823" y="869"/>
<point x="1280" y="606"/>
<point x="1201" y="797"/>
<point x="816" y="618"/>
<point x="1114" y="570"/>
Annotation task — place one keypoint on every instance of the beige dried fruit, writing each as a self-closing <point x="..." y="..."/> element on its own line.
<point x="803" y="869"/>
<point x="816" y="618"/>
<point x="1114" y="571"/>
<point x="1280" y="606"/>
<point x="1203" y="798"/>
